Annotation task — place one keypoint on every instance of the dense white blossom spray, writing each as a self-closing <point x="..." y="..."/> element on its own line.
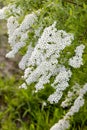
<point x="41" y="62"/>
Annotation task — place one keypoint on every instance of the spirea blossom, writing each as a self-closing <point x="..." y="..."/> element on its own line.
<point x="12" y="24"/>
<point x="61" y="125"/>
<point x="18" y="34"/>
<point x="71" y="96"/>
<point x="43" y="62"/>
<point x="24" y="61"/>
<point x="77" y="60"/>
<point x="64" y="123"/>
<point x="2" y="13"/>
<point x="23" y="86"/>
<point x="60" y="84"/>
<point x="23" y="28"/>
<point x="10" y="10"/>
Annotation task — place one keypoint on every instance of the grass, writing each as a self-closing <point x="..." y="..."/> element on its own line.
<point x="20" y="110"/>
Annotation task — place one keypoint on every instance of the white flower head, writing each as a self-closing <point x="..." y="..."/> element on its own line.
<point x="77" y="60"/>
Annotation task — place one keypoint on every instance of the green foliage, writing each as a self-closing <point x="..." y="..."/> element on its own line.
<point x="21" y="110"/>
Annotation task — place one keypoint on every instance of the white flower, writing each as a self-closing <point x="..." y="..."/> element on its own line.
<point x="61" y="125"/>
<point x="18" y="34"/>
<point x="77" y="60"/>
<point x="71" y="95"/>
<point x="23" y="28"/>
<point x="64" y="123"/>
<point x="16" y="48"/>
<point x="10" y="10"/>
<point x="43" y="62"/>
<point x="24" y="61"/>
<point x="55" y="97"/>
<point x="60" y="84"/>
<point x="14" y="9"/>
<point x="12" y="24"/>
<point x="2" y="13"/>
<point x="62" y="76"/>
<point x="83" y="90"/>
<point x="28" y="22"/>
<point x="79" y="50"/>
<point x="23" y="86"/>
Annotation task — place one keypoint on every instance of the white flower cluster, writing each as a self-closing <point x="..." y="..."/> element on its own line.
<point x="60" y="84"/>
<point x="61" y="125"/>
<point x="71" y="96"/>
<point x="23" y="86"/>
<point x="10" y="10"/>
<point x="12" y="24"/>
<point x="13" y="9"/>
<point x="19" y="33"/>
<point x="64" y="123"/>
<point x="43" y="62"/>
<point x="24" y="61"/>
<point x="2" y="13"/>
<point x="77" y="60"/>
